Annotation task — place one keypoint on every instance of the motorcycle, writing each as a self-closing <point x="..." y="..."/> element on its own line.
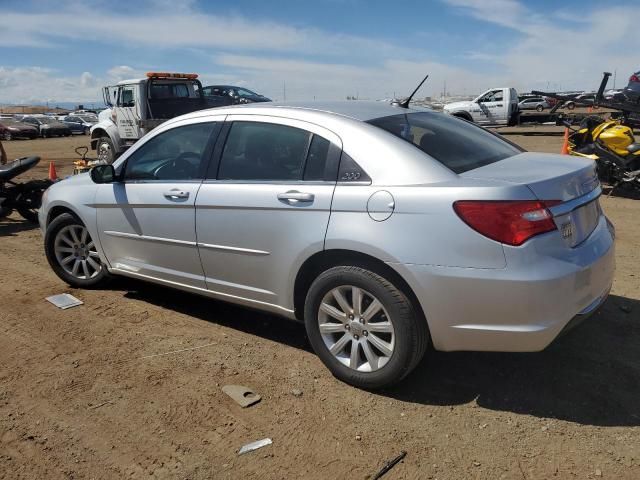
<point x="611" y="145"/>
<point x="26" y="197"/>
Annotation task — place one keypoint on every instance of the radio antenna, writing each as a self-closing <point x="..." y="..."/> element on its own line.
<point x="405" y="102"/>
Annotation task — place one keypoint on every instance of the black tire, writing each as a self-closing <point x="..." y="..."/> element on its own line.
<point x="52" y="231"/>
<point x="570" y="105"/>
<point x="6" y="136"/>
<point x="4" y="211"/>
<point x="539" y="108"/>
<point x="410" y="329"/>
<point x="105" y="150"/>
<point x="31" y="199"/>
<point x="87" y="130"/>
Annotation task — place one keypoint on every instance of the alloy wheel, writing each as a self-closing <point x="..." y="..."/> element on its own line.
<point x="356" y="328"/>
<point x="76" y="253"/>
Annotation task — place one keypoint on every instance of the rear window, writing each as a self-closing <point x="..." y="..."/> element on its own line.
<point x="459" y="145"/>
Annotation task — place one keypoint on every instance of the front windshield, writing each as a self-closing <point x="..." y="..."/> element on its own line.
<point x="46" y="120"/>
<point x="457" y="144"/>
<point x="88" y="118"/>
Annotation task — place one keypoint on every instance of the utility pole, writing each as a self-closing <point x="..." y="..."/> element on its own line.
<point x="284" y="90"/>
<point x="614" y="78"/>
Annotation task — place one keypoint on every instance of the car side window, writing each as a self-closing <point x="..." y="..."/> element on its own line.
<point x="264" y="151"/>
<point x="177" y="154"/>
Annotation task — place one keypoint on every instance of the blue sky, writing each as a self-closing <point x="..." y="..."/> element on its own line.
<point x="62" y="51"/>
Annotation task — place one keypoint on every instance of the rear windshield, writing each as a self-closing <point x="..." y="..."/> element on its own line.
<point x="458" y="145"/>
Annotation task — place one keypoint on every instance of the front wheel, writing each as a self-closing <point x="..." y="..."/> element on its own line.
<point x="363" y="328"/>
<point x="72" y="253"/>
<point x="30" y="199"/>
<point x="6" y="136"/>
<point x="539" y="108"/>
<point x="105" y="150"/>
<point x="4" y="211"/>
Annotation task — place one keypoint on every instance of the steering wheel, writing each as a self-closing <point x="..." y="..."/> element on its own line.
<point x="183" y="167"/>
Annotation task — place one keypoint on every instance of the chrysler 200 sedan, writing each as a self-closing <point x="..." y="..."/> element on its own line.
<point x="387" y="230"/>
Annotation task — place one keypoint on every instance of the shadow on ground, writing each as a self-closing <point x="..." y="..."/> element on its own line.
<point x="589" y="376"/>
<point x="12" y="226"/>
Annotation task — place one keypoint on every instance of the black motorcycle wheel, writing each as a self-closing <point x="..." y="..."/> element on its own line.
<point x="30" y="199"/>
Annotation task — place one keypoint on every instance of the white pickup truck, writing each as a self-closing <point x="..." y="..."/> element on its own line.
<point x="137" y="106"/>
<point x="497" y="106"/>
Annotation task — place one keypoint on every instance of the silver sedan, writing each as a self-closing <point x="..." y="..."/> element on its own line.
<point x="387" y="230"/>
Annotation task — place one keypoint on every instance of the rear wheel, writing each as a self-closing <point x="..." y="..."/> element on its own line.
<point x="363" y="328"/>
<point x="570" y="105"/>
<point x="6" y="136"/>
<point x="72" y="253"/>
<point x="539" y="108"/>
<point x="105" y="150"/>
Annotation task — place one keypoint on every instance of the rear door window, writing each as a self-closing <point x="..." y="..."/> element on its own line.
<point x="270" y="152"/>
<point x="459" y="145"/>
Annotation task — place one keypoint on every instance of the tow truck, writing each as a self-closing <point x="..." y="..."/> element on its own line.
<point x="137" y="106"/>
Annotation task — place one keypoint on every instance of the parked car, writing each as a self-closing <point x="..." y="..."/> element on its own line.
<point x="584" y="99"/>
<point x="632" y="90"/>
<point x="80" y="123"/>
<point x="47" y="126"/>
<point x="467" y="243"/>
<point x="10" y="129"/>
<point x="534" y="103"/>
<point x="230" y="95"/>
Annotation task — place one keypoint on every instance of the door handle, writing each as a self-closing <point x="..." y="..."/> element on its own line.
<point x="295" y="196"/>
<point x="499" y="105"/>
<point x="176" y="194"/>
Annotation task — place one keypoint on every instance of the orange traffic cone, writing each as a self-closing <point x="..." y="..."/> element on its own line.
<point x="53" y="176"/>
<point x="565" y="145"/>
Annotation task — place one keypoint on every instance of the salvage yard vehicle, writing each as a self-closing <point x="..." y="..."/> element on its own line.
<point x="47" y="126"/>
<point x="230" y="95"/>
<point x="10" y="129"/>
<point x="467" y="243"/>
<point x="23" y="197"/>
<point x="497" y="106"/>
<point x="138" y="106"/>
<point x="534" y="103"/>
<point x="80" y="123"/>
<point x="612" y="146"/>
<point x="632" y="90"/>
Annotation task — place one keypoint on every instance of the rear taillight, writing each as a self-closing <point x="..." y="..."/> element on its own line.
<point x="510" y="222"/>
<point x="634" y="78"/>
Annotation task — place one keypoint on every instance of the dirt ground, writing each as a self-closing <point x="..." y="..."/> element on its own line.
<point x="128" y="385"/>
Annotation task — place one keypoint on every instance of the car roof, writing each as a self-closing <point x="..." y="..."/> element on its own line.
<point x="356" y="109"/>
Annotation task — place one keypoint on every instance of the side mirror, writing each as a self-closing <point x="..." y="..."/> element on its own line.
<point x="103" y="174"/>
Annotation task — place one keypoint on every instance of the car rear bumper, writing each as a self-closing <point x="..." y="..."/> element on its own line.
<point x="521" y="308"/>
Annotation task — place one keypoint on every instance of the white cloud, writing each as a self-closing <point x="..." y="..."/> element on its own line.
<point x="547" y="50"/>
<point x="551" y="50"/>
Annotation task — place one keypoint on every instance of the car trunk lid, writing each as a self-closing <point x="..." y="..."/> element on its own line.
<point x="569" y="180"/>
